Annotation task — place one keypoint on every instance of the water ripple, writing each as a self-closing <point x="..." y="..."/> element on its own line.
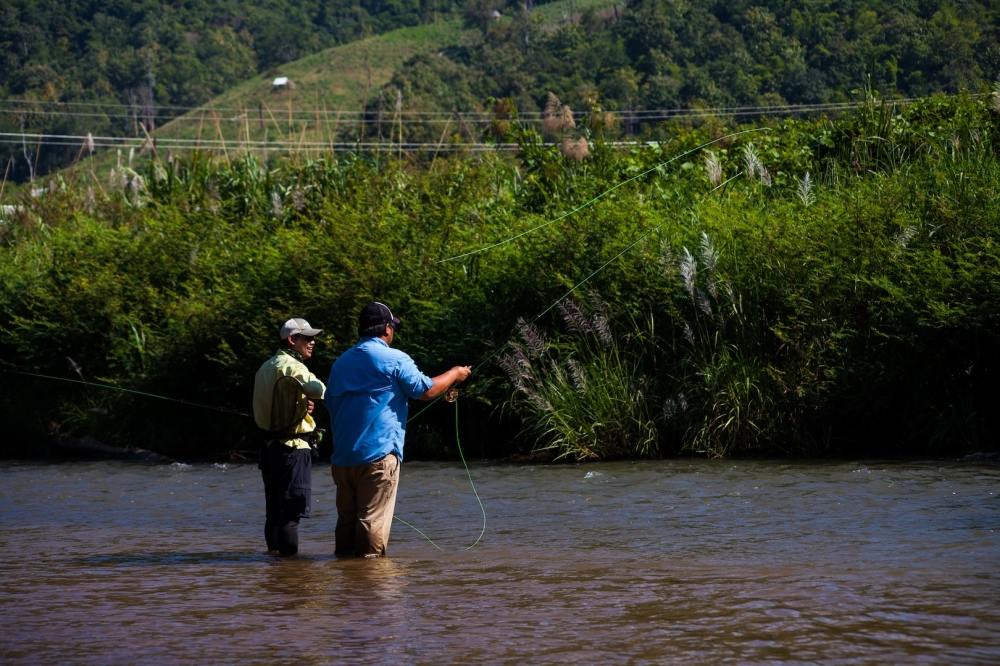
<point x="680" y="562"/>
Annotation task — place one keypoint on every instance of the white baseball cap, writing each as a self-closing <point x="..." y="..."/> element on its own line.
<point x="298" y="326"/>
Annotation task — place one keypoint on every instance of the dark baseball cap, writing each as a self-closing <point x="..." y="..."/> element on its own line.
<point x="374" y="315"/>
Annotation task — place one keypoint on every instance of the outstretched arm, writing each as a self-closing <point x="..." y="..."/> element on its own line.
<point x="446" y="380"/>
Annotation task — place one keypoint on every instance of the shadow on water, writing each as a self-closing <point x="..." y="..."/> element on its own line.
<point x="213" y="557"/>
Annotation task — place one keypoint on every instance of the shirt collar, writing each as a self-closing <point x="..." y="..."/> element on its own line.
<point x="291" y="352"/>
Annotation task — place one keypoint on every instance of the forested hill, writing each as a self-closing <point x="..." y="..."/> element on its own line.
<point x="69" y="68"/>
<point x="152" y="54"/>
<point x="650" y="54"/>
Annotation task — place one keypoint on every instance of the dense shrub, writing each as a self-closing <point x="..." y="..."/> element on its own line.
<point x="789" y="291"/>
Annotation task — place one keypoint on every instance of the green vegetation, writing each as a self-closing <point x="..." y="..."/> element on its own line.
<point x="107" y="67"/>
<point x="813" y="287"/>
<point x="122" y="69"/>
<point x="647" y="54"/>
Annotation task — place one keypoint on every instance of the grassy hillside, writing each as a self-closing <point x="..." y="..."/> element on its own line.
<point x="325" y="102"/>
<point x="334" y="81"/>
<point x="406" y="85"/>
<point x="72" y="68"/>
<point x="327" y="89"/>
<point x="343" y="77"/>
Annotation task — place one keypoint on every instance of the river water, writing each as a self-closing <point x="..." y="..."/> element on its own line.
<point x="656" y="562"/>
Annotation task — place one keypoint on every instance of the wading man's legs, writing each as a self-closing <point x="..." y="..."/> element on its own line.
<point x="287" y="474"/>
<point x="366" y="501"/>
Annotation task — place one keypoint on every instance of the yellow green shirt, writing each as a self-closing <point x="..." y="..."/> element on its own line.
<point x="284" y="363"/>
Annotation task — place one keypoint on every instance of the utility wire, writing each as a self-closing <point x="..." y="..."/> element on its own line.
<point x="240" y="114"/>
<point x="400" y="119"/>
<point x="417" y="118"/>
<point x="80" y="140"/>
<point x="137" y="142"/>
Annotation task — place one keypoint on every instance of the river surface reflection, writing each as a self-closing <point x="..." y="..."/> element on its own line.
<point x="652" y="562"/>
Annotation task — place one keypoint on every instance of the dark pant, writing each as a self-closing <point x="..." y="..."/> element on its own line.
<point x="287" y="474"/>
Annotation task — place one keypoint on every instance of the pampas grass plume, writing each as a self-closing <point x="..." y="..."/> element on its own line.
<point x="557" y="116"/>
<point x="713" y="168"/>
<point x="805" y="190"/>
<point x="575" y="149"/>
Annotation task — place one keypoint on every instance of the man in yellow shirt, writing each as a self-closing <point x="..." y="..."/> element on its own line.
<point x="283" y="394"/>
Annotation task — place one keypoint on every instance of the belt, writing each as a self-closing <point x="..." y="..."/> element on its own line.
<point x="313" y="437"/>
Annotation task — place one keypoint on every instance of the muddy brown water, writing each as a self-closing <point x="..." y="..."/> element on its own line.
<point x="655" y="562"/>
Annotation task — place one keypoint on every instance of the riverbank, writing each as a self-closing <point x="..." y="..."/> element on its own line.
<point x="796" y="288"/>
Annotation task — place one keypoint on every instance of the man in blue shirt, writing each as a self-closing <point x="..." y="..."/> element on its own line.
<point x="367" y="397"/>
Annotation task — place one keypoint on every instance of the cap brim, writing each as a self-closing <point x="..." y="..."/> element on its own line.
<point x="311" y="332"/>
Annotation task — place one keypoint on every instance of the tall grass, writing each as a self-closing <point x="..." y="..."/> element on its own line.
<point x="588" y="395"/>
<point x="819" y="308"/>
<point x="721" y="386"/>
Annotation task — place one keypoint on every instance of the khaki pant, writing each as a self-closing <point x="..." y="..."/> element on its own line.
<point x="366" y="500"/>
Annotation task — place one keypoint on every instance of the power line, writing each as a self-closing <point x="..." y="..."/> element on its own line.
<point x="217" y="144"/>
<point x="417" y="118"/>
<point x="332" y="112"/>
<point x="244" y="114"/>
<point x="81" y="141"/>
<point x="89" y="141"/>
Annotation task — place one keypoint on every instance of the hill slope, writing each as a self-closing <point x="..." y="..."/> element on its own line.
<point x="72" y="68"/>
<point x="323" y="103"/>
<point x="405" y="85"/>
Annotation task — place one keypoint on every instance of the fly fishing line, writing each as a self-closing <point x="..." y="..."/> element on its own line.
<point x="472" y="484"/>
<point x="601" y="195"/>
<point x="501" y="347"/>
<point x="489" y="357"/>
<point x="145" y="394"/>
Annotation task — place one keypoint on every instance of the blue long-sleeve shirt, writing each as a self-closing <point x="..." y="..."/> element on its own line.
<point x="367" y="394"/>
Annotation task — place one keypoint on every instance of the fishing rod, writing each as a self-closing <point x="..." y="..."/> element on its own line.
<point x="489" y="357"/>
<point x="235" y="412"/>
<point x="225" y="410"/>
<point x="590" y="202"/>
<point x="600" y="268"/>
<point x="502" y="346"/>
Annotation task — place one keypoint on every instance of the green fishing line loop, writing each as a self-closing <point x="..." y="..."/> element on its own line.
<point x="500" y="348"/>
<point x="601" y="195"/>
<point x="418" y="531"/>
<point x="468" y="473"/>
<point x="472" y="484"/>
<point x="488" y="358"/>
